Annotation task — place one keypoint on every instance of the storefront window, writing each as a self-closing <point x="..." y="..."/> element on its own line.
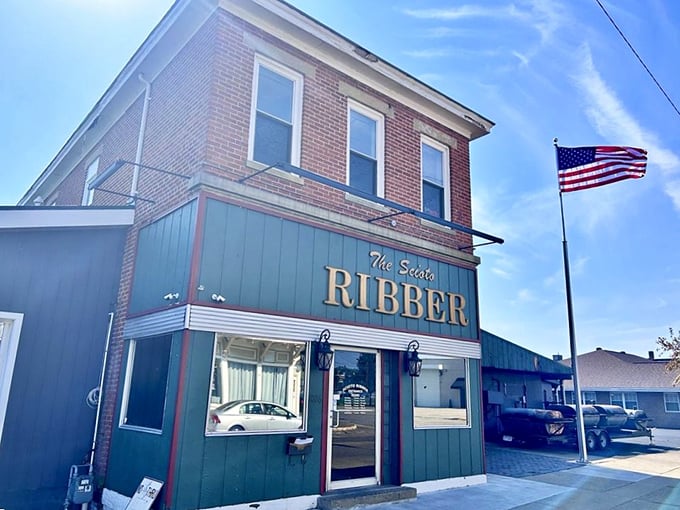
<point x="257" y="386"/>
<point x="441" y="394"/>
<point x="146" y="382"/>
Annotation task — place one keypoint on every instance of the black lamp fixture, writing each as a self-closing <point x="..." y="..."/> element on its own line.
<point x="324" y="353"/>
<point x="413" y="362"/>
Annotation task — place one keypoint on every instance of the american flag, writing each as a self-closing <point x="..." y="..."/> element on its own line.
<point x="588" y="167"/>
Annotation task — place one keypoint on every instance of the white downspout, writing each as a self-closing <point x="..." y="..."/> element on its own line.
<point x="140" y="139"/>
<point x="100" y="388"/>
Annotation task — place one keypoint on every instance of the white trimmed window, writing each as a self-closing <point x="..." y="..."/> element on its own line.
<point x="276" y="114"/>
<point x="671" y="402"/>
<point x="441" y="394"/>
<point x="588" y="397"/>
<point x="434" y="167"/>
<point x="146" y="381"/>
<point x="365" y="149"/>
<point x="88" y="194"/>
<point x="258" y="386"/>
<point x="627" y="400"/>
<point x="10" y="329"/>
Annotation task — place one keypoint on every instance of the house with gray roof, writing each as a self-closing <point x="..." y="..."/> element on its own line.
<point x="633" y="382"/>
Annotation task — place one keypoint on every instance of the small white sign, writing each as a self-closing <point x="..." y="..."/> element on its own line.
<point x="145" y="495"/>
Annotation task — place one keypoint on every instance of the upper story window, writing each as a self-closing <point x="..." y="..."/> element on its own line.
<point x="436" y="192"/>
<point x="276" y="116"/>
<point x="366" y="147"/>
<point x="88" y="194"/>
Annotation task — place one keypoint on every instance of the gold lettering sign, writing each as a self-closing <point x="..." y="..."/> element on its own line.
<point x="407" y="299"/>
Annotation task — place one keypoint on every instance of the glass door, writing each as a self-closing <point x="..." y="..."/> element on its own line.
<point x="354" y="419"/>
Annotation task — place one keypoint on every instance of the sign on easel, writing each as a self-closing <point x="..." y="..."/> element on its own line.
<point x="145" y="494"/>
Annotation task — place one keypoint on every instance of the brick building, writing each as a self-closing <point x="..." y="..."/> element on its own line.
<point x="290" y="189"/>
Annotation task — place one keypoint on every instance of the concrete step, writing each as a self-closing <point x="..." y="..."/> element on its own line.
<point x="349" y="498"/>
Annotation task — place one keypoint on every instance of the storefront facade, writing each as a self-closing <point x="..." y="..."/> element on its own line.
<point x="237" y="373"/>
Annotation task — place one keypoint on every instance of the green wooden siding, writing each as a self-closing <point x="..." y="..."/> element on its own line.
<point x="134" y="453"/>
<point x="391" y="418"/>
<point x="163" y="259"/>
<point x="225" y="470"/>
<point x="263" y="262"/>
<point x="432" y="454"/>
<point x="498" y="353"/>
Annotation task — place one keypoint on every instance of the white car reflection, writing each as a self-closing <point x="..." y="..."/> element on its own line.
<point x="255" y="415"/>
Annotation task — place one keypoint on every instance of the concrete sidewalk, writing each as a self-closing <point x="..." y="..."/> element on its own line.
<point x="635" y="477"/>
<point x="587" y="487"/>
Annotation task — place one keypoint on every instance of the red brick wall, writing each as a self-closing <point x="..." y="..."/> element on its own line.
<point x="174" y="140"/>
<point x="200" y="111"/>
<point x="324" y="133"/>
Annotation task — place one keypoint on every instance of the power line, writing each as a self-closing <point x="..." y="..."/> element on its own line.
<point x="638" y="57"/>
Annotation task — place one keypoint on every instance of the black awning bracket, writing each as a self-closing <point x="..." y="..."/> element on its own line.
<point x="461" y="248"/>
<point x="117" y="165"/>
<point x="402" y="209"/>
<point x="385" y="216"/>
<point x="263" y="170"/>
<point x="126" y="195"/>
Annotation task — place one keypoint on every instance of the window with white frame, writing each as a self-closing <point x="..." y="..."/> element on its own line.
<point x="366" y="147"/>
<point x="441" y="394"/>
<point x="146" y="382"/>
<point x="276" y="116"/>
<point x="10" y="329"/>
<point x="671" y="402"/>
<point x="88" y="194"/>
<point x="436" y="190"/>
<point x="589" y="397"/>
<point x="627" y="400"/>
<point x="257" y="386"/>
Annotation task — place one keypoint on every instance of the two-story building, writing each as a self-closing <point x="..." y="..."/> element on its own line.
<point x="302" y="246"/>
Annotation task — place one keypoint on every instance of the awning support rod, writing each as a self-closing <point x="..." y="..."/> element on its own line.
<point x="287" y="167"/>
<point x="116" y="165"/>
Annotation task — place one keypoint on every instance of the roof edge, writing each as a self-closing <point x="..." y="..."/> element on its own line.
<point x="65" y="217"/>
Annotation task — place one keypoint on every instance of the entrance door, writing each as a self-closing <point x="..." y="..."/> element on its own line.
<point x="354" y="403"/>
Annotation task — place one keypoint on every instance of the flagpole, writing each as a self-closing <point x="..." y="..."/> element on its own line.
<point x="580" y="428"/>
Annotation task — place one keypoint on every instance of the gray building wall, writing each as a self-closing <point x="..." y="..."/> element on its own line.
<point x="65" y="282"/>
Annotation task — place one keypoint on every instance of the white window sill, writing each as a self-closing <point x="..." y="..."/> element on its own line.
<point x="275" y="171"/>
<point x="362" y="201"/>
<point x="436" y="226"/>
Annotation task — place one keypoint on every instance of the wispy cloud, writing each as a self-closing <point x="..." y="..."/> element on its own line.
<point x="544" y="17"/>
<point x="613" y="121"/>
<point x="448" y="32"/>
<point x="452" y="52"/>
<point x="463" y="11"/>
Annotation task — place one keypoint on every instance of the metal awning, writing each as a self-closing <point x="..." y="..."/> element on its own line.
<point x="398" y="208"/>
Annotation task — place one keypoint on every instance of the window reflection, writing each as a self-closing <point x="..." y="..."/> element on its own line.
<point x="257" y="386"/>
<point x="441" y="394"/>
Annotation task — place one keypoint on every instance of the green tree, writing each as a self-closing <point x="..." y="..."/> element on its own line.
<point x="671" y="344"/>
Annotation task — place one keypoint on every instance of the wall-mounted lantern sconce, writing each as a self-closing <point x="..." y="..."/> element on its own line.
<point x="413" y="362"/>
<point x="324" y="353"/>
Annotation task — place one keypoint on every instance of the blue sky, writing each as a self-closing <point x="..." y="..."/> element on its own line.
<point x="539" y="69"/>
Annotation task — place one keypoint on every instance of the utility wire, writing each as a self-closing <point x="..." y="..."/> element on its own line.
<point x="638" y="57"/>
